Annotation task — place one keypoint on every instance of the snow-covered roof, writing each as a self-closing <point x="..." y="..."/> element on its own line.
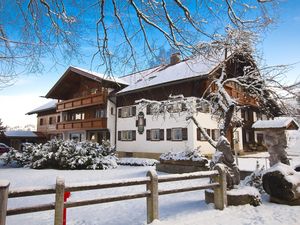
<point x="20" y="133"/>
<point x="102" y="76"/>
<point x="277" y="123"/>
<point x="48" y="106"/>
<point x="190" y="68"/>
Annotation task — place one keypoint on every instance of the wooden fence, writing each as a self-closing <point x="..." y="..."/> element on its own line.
<point x="151" y="193"/>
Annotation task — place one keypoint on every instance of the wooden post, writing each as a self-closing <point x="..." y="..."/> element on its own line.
<point x="4" y="185"/>
<point x="220" y="195"/>
<point x="59" y="201"/>
<point x="152" y="200"/>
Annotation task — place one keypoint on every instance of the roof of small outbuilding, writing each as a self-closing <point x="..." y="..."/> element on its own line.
<point x="287" y="123"/>
<point x="20" y="133"/>
<point x="48" y="106"/>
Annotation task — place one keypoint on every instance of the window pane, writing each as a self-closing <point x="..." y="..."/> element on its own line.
<point x="176" y="134"/>
<point x="155" y="134"/>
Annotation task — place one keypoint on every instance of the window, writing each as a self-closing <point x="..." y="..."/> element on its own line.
<point x="203" y="107"/>
<point x="127" y="112"/>
<point x="127" y="135"/>
<point x="177" y="134"/>
<point x="75" y="136"/>
<point x="100" y="113"/>
<point x="41" y="121"/>
<point x="155" y="135"/>
<point x="112" y="110"/>
<point x="50" y="120"/>
<point x="58" y="119"/>
<point x="213" y="133"/>
<point x="79" y="116"/>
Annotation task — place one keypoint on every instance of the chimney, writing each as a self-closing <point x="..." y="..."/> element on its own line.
<point x="175" y="58"/>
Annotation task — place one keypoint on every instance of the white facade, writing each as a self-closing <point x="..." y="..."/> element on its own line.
<point x="164" y="122"/>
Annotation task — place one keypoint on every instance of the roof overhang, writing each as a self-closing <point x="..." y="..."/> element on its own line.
<point x="73" y="76"/>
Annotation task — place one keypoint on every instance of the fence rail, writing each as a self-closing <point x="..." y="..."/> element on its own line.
<point x="151" y="194"/>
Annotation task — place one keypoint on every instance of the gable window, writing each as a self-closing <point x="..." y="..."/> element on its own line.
<point x="126" y="112"/>
<point x="177" y="134"/>
<point x="155" y="135"/>
<point x="127" y="135"/>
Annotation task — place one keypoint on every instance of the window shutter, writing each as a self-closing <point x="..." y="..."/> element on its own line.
<point x="183" y="106"/>
<point x="184" y="134"/>
<point x="133" y="135"/>
<point x="208" y="132"/>
<point x="144" y="122"/>
<point x="119" y="112"/>
<point x="148" y="135"/>
<point x="133" y="110"/>
<point x="119" y="135"/>
<point x="169" y="131"/>
<point x="198" y="134"/>
<point x="161" y="134"/>
<point x="148" y="110"/>
<point x="213" y="134"/>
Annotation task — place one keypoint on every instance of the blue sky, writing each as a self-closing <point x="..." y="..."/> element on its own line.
<point x="281" y="45"/>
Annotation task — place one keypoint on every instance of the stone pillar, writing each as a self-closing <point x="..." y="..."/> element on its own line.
<point x="276" y="143"/>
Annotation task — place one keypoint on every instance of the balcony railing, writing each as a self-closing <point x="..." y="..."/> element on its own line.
<point x="75" y="103"/>
<point x="82" y="124"/>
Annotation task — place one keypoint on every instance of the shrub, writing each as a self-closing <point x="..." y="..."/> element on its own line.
<point x="61" y="154"/>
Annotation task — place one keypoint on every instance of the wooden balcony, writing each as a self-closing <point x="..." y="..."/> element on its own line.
<point x="242" y="97"/>
<point x="75" y="103"/>
<point x="88" y="124"/>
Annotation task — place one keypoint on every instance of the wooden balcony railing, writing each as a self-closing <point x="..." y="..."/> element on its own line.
<point x="242" y="97"/>
<point x="82" y="124"/>
<point x="75" y="103"/>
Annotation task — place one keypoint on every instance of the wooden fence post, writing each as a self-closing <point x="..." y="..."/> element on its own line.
<point x="152" y="200"/>
<point x="59" y="201"/>
<point x="4" y="185"/>
<point x="220" y="194"/>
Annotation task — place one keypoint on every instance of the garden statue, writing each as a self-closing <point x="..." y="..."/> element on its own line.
<point x="224" y="155"/>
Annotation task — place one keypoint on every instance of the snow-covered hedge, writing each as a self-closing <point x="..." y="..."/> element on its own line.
<point x="193" y="155"/>
<point x="137" y="162"/>
<point x="63" y="155"/>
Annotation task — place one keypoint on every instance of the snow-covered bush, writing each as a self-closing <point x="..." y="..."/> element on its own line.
<point x="137" y="161"/>
<point x="64" y="155"/>
<point x="255" y="179"/>
<point x="192" y="155"/>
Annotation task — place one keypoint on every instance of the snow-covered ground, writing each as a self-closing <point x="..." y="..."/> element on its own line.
<point x="183" y="209"/>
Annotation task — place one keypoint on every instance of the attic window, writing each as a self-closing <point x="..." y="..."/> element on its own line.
<point x="152" y="77"/>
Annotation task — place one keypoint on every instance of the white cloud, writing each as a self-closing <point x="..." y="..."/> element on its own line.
<point x="14" y="108"/>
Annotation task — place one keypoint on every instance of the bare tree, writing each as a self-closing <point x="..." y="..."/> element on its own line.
<point x="2" y="127"/>
<point x="258" y="85"/>
<point x="121" y="34"/>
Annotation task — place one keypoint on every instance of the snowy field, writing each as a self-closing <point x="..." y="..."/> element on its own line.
<point x="184" y="208"/>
